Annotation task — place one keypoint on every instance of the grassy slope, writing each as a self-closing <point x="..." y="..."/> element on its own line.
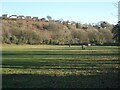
<point x="60" y="66"/>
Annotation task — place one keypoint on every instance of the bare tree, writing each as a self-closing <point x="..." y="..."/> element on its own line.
<point x="49" y="18"/>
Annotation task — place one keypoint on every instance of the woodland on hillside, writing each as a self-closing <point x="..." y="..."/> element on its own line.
<point x="56" y="32"/>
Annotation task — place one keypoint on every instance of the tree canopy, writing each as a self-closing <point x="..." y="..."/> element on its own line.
<point x="116" y="32"/>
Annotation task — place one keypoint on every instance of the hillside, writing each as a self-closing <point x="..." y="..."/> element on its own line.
<point x="52" y="32"/>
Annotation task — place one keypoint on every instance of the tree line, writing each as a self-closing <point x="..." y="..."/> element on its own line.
<point x="56" y="33"/>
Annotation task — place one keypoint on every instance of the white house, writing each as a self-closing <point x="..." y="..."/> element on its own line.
<point x="13" y="17"/>
<point x="35" y="18"/>
<point x="21" y="17"/>
<point x="28" y="18"/>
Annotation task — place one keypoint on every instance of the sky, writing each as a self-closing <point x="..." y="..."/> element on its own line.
<point x="84" y="12"/>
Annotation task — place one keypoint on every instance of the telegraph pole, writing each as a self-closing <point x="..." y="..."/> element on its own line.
<point x="119" y="11"/>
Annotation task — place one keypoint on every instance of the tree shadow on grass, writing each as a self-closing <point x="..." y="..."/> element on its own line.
<point x="108" y="80"/>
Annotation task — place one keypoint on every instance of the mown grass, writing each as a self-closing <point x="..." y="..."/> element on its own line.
<point x="60" y="66"/>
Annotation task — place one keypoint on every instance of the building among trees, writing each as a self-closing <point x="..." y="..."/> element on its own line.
<point x="4" y="16"/>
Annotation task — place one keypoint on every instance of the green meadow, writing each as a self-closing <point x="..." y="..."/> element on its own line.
<point x="55" y="66"/>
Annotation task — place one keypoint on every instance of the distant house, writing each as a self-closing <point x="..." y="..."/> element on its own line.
<point x="66" y="22"/>
<point x="35" y="18"/>
<point x="4" y="16"/>
<point x="69" y="23"/>
<point x="73" y="23"/>
<point x="84" y="26"/>
<point x="28" y="18"/>
<point x="13" y="17"/>
<point x="57" y="21"/>
<point x="21" y="17"/>
<point x="46" y="21"/>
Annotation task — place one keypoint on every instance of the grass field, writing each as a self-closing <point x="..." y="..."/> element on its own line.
<point x="43" y="66"/>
